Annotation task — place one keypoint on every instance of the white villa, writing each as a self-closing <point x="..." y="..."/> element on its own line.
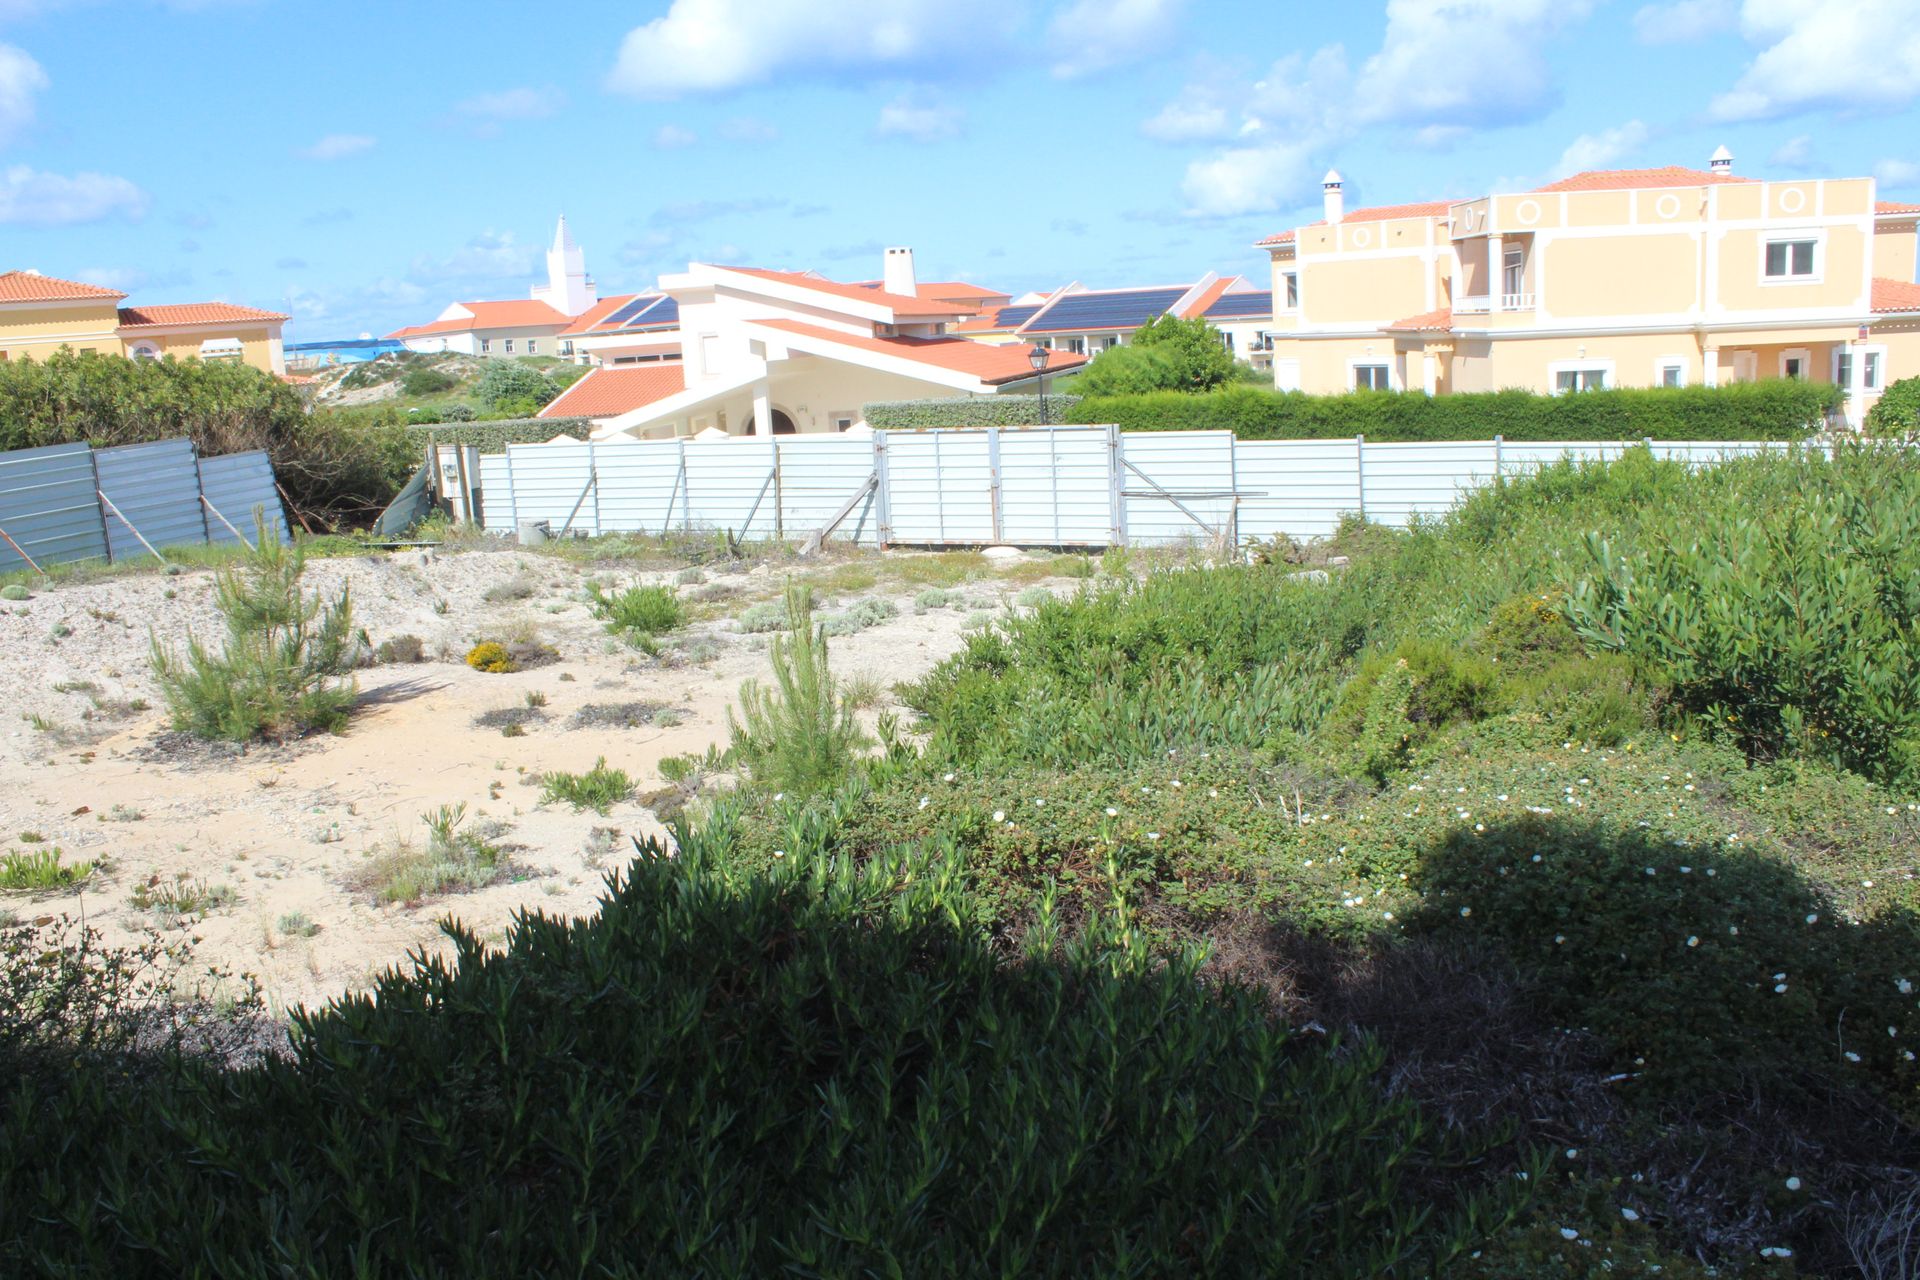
<point x="757" y="352"/>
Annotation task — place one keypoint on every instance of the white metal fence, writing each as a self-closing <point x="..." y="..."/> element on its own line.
<point x="1037" y="486"/>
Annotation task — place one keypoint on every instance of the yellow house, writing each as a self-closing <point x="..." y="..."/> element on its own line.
<point x="1625" y="277"/>
<point x="41" y="314"/>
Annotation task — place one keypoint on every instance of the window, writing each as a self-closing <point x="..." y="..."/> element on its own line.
<point x="533" y="346"/>
<point x="1874" y="359"/>
<point x="1791" y="259"/>
<point x="566" y="347"/>
<point x="1109" y="342"/>
<point x="1795" y="362"/>
<point x="1077" y="345"/>
<point x="842" y="419"/>
<point x="1670" y="371"/>
<point x="144" y="351"/>
<point x="1226" y="340"/>
<point x="1291" y="280"/>
<point x="509" y="346"/>
<point x="486" y="346"/>
<point x="1579" y="378"/>
<point x="1371" y="377"/>
<point x="1514" y="276"/>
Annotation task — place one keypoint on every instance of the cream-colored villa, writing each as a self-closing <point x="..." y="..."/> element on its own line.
<point x="41" y="314"/>
<point x="1633" y="277"/>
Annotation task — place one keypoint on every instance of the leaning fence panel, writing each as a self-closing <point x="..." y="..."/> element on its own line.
<point x="235" y="485"/>
<point x="1178" y="485"/>
<point x="48" y="508"/>
<point x="1056" y="487"/>
<point x="817" y="477"/>
<point x="152" y="497"/>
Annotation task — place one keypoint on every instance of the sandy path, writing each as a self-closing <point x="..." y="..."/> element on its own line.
<point x="285" y="827"/>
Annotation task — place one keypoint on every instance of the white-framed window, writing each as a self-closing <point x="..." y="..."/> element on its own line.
<point x="1226" y="340"/>
<point x="1571" y="377"/>
<point x="486" y="346"/>
<point x="509" y="346"/>
<point x="1078" y="346"/>
<point x="1796" y="363"/>
<point x="1513" y="273"/>
<point x="1109" y="342"/>
<point x="1371" y="375"/>
<point x="843" y="419"/>
<point x="1670" y="371"/>
<point x="1791" y="258"/>
<point x="143" y="351"/>
<point x="1873" y="366"/>
<point x="1290" y="282"/>
<point x="533" y="346"/>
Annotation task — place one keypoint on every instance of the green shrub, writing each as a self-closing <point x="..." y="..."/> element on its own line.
<point x="1397" y="701"/>
<point x="598" y="789"/>
<point x="495" y="436"/>
<point x="806" y="1048"/>
<point x="768" y="615"/>
<point x="180" y="898"/>
<point x="288" y="660"/>
<point x="455" y="858"/>
<point x="866" y="613"/>
<point x="1897" y="411"/>
<point x="637" y="611"/>
<point x="799" y="736"/>
<point x="509" y="385"/>
<point x="36" y="869"/>
<point x="1131" y="371"/>
<point x="427" y="381"/>
<point x="14" y="591"/>
<point x="1773" y="410"/>
<point x="1166" y="354"/>
<point x="1788" y="626"/>
<point x="402" y="649"/>
<point x="965" y="411"/>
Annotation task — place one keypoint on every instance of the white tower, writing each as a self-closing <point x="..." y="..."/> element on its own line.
<point x="1332" y="197"/>
<point x="569" y="289"/>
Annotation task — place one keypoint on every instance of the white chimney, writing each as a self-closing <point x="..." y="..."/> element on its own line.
<point x="1336" y="203"/>
<point x="1721" y="161"/>
<point x="896" y="274"/>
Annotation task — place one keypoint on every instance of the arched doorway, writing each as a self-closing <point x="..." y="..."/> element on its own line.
<point x="782" y="424"/>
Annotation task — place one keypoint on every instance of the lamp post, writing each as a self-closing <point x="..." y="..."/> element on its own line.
<point x="1037" y="357"/>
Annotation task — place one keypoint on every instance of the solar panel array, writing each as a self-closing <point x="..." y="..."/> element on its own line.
<point x="1119" y="309"/>
<point x="648" y="311"/>
<point x="1014" y="317"/>
<point x="1241" y="304"/>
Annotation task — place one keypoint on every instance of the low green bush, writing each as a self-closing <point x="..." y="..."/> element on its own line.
<point x="495" y="436"/>
<point x="1897" y="411"/>
<point x="599" y="788"/>
<point x="1771" y="410"/>
<point x="1396" y="701"/>
<point x="965" y="411"/>
<point x="637" y="611"/>
<point x="508" y="383"/>
<point x="427" y="381"/>
<point x="32" y="870"/>
<point x="455" y="857"/>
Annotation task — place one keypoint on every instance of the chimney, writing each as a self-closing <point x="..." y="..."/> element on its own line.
<point x="896" y="274"/>
<point x="1336" y="203"/>
<point x="1721" y="162"/>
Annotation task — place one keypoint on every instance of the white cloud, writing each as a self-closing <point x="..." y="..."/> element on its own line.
<point x="1097" y="35"/>
<point x="337" y="146"/>
<point x="514" y="104"/>
<point x="20" y="79"/>
<point x="1197" y="115"/>
<point x="491" y="255"/>
<point x="671" y="137"/>
<point x="1901" y="174"/>
<point x="1794" y="153"/>
<point x="1603" y="150"/>
<point x="1474" y="62"/>
<point x="712" y="46"/>
<point x="1251" y="180"/>
<point x="1300" y="95"/>
<point x="1683" y="21"/>
<point x="1861" y="55"/>
<point x="918" y="117"/>
<point x="749" y="129"/>
<point x="30" y="197"/>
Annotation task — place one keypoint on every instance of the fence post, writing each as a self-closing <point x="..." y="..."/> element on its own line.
<point x="686" y="490"/>
<point x="882" y="510"/>
<point x="1498" y="441"/>
<point x="779" y="492"/>
<point x="1360" y="471"/>
<point x="993" y="484"/>
<point x="1116" y="500"/>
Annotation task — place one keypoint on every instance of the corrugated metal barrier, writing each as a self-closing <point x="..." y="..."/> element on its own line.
<point x="69" y="502"/>
<point x="1034" y="486"/>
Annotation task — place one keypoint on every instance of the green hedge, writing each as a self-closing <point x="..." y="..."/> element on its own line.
<point x="1775" y="410"/>
<point x="492" y="437"/>
<point x="966" y="411"/>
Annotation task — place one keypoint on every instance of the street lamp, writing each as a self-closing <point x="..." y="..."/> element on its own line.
<point x="1037" y="357"/>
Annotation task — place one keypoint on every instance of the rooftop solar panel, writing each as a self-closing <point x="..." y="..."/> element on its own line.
<point x="1242" y="304"/>
<point x="1120" y="309"/>
<point x="629" y="311"/>
<point x="1014" y="317"/>
<point x="663" y="316"/>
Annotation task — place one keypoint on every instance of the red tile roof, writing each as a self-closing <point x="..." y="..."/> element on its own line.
<point x="1885" y="207"/>
<point x="1210" y="296"/>
<point x="1641" y="179"/>
<point x="192" y="313"/>
<point x="990" y="364"/>
<point x="596" y="313"/>
<point x="31" y="286"/>
<point x="1425" y="321"/>
<point x="949" y="291"/>
<point x="902" y="306"/>
<point x="491" y="315"/>
<point x="609" y="391"/>
<point x="1285" y="237"/>
<point x="1895" y="295"/>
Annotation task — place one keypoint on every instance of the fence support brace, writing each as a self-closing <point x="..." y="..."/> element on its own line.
<point x="223" y="520"/>
<point x="593" y="478"/>
<point x="1184" y="508"/>
<point x="22" y="552"/>
<point x="121" y="516"/>
<point x="820" y="535"/>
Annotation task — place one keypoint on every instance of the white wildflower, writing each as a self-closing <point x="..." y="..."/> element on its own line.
<point x="1793" y="1184"/>
<point x="1630" y="1215"/>
<point x="999" y="815"/>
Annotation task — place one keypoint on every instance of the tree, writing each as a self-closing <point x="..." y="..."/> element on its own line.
<point x="1897" y="412"/>
<point x="509" y="380"/>
<point x="1166" y="354"/>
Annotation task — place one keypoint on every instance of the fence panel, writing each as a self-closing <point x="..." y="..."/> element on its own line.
<point x="550" y="483"/>
<point x="1522" y="457"/>
<point x="496" y="493"/>
<point x="1056" y="487"/>
<point x="1703" y="453"/>
<point x="733" y="487"/>
<point x="1404" y="480"/>
<point x="1297" y="487"/>
<point x="817" y="476"/>
<point x="235" y="484"/>
<point x="156" y="489"/>
<point x="1192" y="469"/>
<point x="641" y="488"/>
<point x="940" y="487"/>
<point x="48" y="506"/>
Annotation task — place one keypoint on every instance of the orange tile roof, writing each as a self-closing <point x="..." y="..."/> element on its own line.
<point x="513" y="314"/>
<point x="596" y="313"/>
<point x="1888" y="206"/>
<point x="948" y="291"/>
<point x="1640" y="179"/>
<point x="1206" y="299"/>
<point x="990" y="364"/>
<point x="31" y="286"/>
<point x="901" y="305"/>
<point x="1285" y="237"/>
<point x="1894" y="295"/>
<point x="1426" y="320"/>
<point x="608" y="392"/>
<point x="1383" y="212"/>
<point x="191" y="313"/>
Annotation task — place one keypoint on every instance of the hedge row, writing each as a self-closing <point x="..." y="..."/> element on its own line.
<point x="492" y="437"/>
<point x="966" y="411"/>
<point x="1773" y="410"/>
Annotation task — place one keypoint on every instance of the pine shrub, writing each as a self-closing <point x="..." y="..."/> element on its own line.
<point x="800" y="735"/>
<point x="287" y="665"/>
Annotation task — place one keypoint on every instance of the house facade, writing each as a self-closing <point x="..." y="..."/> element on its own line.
<point x="1641" y="277"/>
<point x="40" y="314"/>
<point x="517" y="327"/>
<point x="759" y="352"/>
<point x="1085" y="321"/>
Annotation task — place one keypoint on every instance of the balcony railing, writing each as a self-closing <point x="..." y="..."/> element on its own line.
<point x="1481" y="304"/>
<point x="1516" y="302"/>
<point x="1476" y="306"/>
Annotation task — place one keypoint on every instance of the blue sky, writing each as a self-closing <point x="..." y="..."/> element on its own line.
<point x="360" y="165"/>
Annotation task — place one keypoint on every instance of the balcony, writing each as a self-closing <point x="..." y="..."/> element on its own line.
<point x="1481" y="304"/>
<point x="1474" y="306"/>
<point x="1516" y="302"/>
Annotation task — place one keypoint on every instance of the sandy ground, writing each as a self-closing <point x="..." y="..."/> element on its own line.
<point x="286" y="827"/>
